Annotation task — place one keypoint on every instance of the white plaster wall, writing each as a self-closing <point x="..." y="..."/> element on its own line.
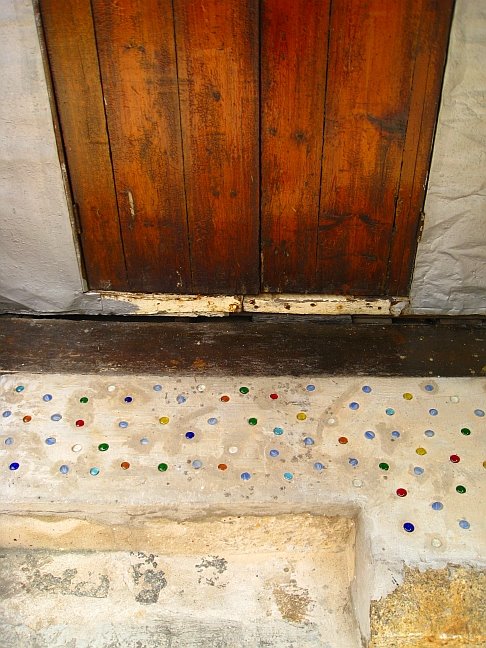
<point x="450" y="269"/>
<point x="38" y="264"/>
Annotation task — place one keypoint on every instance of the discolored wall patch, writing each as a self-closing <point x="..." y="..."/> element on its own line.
<point x="437" y="607"/>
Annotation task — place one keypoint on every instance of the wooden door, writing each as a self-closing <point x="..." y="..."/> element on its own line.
<point x="247" y="146"/>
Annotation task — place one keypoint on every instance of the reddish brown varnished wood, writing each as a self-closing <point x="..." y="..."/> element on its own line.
<point x="293" y="81"/>
<point x="424" y="103"/>
<point x="217" y="49"/>
<point x="71" y="46"/>
<point x="139" y="75"/>
<point x="349" y="101"/>
<point x="370" y="76"/>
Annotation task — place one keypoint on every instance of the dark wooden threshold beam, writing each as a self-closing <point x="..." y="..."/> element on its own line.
<point x="235" y="347"/>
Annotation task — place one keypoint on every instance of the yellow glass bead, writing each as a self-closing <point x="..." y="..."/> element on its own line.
<point x="164" y="420"/>
<point x="301" y="416"/>
<point x="421" y="451"/>
<point x="407" y="396"/>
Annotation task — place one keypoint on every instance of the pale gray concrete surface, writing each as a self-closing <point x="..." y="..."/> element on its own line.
<point x="38" y="265"/>
<point x="309" y="480"/>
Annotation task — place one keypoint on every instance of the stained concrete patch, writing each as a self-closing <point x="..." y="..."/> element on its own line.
<point x="293" y="602"/>
<point x="150" y="579"/>
<point x="437" y="607"/>
<point x="225" y="582"/>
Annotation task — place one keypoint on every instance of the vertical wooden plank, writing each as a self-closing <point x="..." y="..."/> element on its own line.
<point x="428" y="74"/>
<point x="370" y="76"/>
<point x="138" y="69"/>
<point x="293" y="80"/>
<point x="217" y="50"/>
<point x="71" y="47"/>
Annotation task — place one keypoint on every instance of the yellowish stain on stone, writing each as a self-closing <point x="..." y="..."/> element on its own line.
<point x="438" y="607"/>
<point x="293" y="602"/>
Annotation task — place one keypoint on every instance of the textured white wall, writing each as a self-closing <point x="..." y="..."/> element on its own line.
<point x="38" y="265"/>
<point x="450" y="270"/>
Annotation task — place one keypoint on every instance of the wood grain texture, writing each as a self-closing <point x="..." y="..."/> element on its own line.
<point x="71" y="47"/>
<point x="293" y="80"/>
<point x="429" y="66"/>
<point x="139" y="75"/>
<point x="370" y="78"/>
<point x="217" y="49"/>
<point x="240" y="348"/>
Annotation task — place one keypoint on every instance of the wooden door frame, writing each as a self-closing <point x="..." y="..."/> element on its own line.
<point x="220" y="305"/>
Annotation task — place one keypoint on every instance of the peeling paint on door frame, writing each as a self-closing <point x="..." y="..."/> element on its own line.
<point x="221" y="305"/>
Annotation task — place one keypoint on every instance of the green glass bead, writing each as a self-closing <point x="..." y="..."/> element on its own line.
<point x="244" y="390"/>
<point x="103" y="447"/>
<point x="252" y="421"/>
<point x="383" y="465"/>
<point x="84" y="399"/>
<point x="466" y="431"/>
<point x="461" y="489"/>
<point x="162" y="467"/>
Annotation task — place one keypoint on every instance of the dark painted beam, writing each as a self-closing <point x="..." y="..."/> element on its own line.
<point x="229" y="347"/>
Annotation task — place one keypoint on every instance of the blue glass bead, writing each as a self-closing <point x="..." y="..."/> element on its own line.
<point x="369" y="435"/>
<point x="9" y="441"/>
<point x="437" y="506"/>
<point x="479" y="412"/>
<point x="464" y="524"/>
<point x="123" y="424"/>
<point x="128" y="399"/>
<point x="47" y="397"/>
<point x="308" y="441"/>
<point x="429" y="433"/>
<point x="395" y="434"/>
<point x="64" y="469"/>
<point x="274" y="453"/>
<point x="190" y="435"/>
<point x="245" y="476"/>
<point x="144" y="441"/>
<point x="366" y="389"/>
<point x="278" y="431"/>
<point x="56" y="417"/>
<point x="212" y="420"/>
<point x="19" y="388"/>
<point x="429" y="387"/>
<point x="6" y="413"/>
<point x="197" y="464"/>
<point x="319" y="466"/>
<point x="354" y="406"/>
<point x="389" y="411"/>
<point x="181" y="399"/>
<point x="353" y="462"/>
<point x="94" y="471"/>
<point x="310" y="388"/>
<point x="408" y="527"/>
<point x="14" y="466"/>
<point x="288" y="476"/>
<point x="433" y="412"/>
<point x="157" y="388"/>
<point x="418" y="470"/>
<point x="50" y="441"/>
